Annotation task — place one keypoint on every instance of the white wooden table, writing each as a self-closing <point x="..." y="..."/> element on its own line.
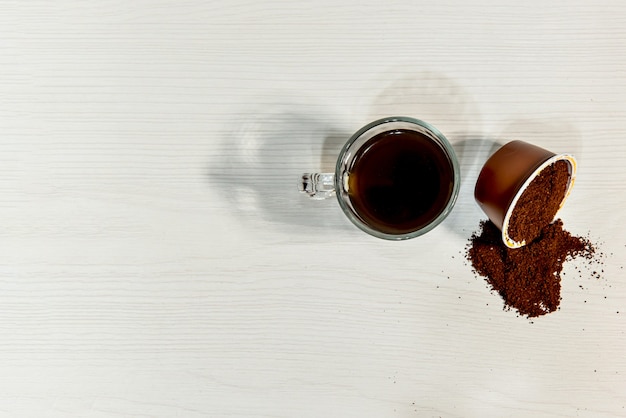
<point x="157" y="260"/>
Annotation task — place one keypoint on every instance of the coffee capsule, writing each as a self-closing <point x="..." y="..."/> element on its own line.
<point x="505" y="177"/>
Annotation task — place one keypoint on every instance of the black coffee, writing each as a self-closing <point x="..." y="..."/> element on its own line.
<point x="400" y="181"/>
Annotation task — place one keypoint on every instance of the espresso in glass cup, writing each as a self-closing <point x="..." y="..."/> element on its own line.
<point x="396" y="178"/>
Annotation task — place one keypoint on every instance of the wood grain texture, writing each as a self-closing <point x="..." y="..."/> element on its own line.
<point x="157" y="260"/>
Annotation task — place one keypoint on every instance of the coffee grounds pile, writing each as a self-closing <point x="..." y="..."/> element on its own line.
<point x="539" y="203"/>
<point x="528" y="278"/>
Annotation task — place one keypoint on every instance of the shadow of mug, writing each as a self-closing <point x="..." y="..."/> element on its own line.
<point x="263" y="159"/>
<point x="472" y="151"/>
<point x="427" y="95"/>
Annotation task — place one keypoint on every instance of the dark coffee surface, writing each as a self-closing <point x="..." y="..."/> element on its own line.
<point x="400" y="182"/>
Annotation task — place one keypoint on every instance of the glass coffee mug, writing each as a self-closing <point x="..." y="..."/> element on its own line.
<point x="396" y="178"/>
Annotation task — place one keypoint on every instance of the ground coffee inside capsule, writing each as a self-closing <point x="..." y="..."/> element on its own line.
<point x="528" y="278"/>
<point x="539" y="203"/>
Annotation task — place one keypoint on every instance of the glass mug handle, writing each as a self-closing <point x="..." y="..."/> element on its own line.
<point x="317" y="186"/>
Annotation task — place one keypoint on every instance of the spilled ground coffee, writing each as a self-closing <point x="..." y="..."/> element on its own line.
<point x="528" y="278"/>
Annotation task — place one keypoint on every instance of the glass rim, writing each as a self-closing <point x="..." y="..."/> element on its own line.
<point x="434" y="134"/>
